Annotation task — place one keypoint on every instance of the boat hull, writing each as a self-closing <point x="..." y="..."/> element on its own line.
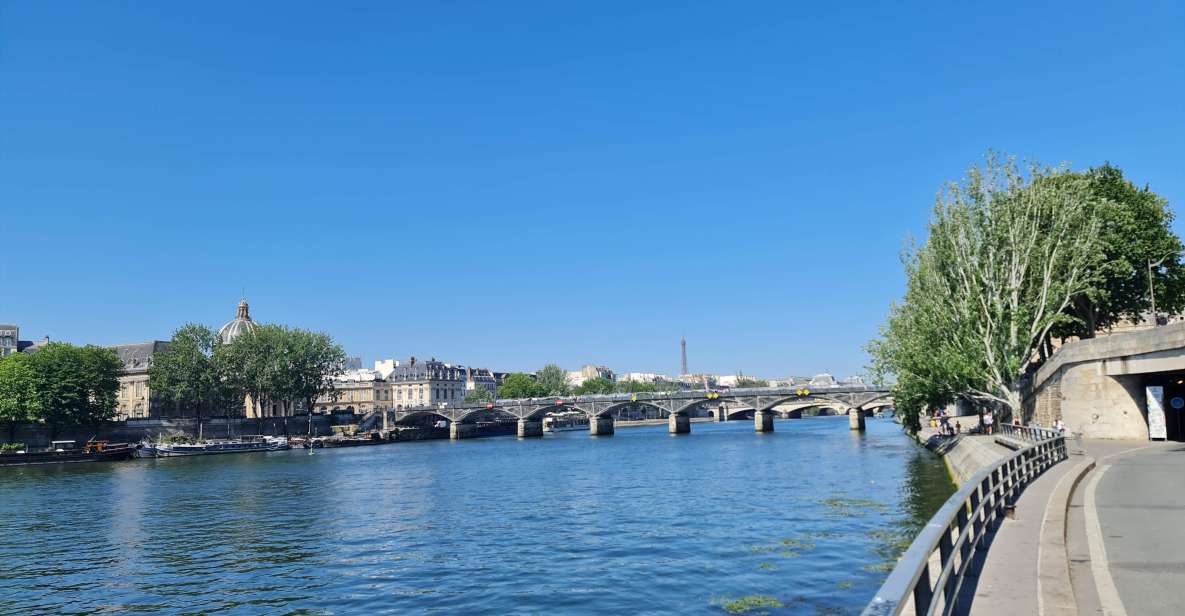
<point x="185" y="451"/>
<point x="66" y="457"/>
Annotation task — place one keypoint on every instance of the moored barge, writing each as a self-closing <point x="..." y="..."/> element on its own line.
<point x="61" y="452"/>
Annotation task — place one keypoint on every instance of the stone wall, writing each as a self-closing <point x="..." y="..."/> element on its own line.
<point x="1092" y="403"/>
<point x="1097" y="387"/>
<point x="136" y="430"/>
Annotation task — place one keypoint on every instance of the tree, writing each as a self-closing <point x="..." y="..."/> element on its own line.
<point x="310" y="359"/>
<point x="19" y="402"/>
<point x="553" y="379"/>
<point x="186" y="375"/>
<point x="744" y="381"/>
<point x="479" y="394"/>
<point x="1007" y="254"/>
<point x="519" y="385"/>
<point x="101" y="368"/>
<point x="75" y="385"/>
<point x="274" y="364"/>
<point x="1135" y="231"/>
<point x="599" y="385"/>
<point x="243" y="363"/>
<point x="639" y="387"/>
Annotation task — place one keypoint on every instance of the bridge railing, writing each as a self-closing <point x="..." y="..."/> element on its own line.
<point x="931" y="572"/>
<point x="1031" y="434"/>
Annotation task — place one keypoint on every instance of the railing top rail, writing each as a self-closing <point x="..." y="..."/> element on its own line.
<point x="894" y="593"/>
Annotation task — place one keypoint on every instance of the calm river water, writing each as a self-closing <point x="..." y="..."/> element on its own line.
<point x="641" y="523"/>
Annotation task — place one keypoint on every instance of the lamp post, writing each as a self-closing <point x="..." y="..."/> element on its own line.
<point x="1152" y="285"/>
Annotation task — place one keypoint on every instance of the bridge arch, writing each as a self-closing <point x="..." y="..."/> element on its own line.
<point x="538" y="413"/>
<point x="612" y="410"/>
<point x="880" y="401"/>
<point x="492" y="410"/>
<point x="420" y="416"/>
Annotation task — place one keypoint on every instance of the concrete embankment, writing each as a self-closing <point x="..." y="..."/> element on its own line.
<point x="1026" y="569"/>
<point x="964" y="455"/>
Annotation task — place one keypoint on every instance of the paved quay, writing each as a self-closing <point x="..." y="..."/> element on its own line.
<point x="1136" y="492"/>
<point x="1127" y="531"/>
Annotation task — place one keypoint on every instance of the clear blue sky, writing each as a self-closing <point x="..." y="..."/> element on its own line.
<point x="509" y="183"/>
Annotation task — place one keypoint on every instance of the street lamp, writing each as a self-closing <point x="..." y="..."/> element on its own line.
<point x="1151" y="284"/>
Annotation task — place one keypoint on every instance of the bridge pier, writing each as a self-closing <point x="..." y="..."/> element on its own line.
<point x="763" y="421"/>
<point x="722" y="413"/>
<point x="458" y="430"/>
<point x="600" y="426"/>
<point x="856" y="419"/>
<point x="679" y="424"/>
<point x="527" y="428"/>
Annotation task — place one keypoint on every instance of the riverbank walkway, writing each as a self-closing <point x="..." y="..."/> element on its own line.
<point x="1124" y="532"/>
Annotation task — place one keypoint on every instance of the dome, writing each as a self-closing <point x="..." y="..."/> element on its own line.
<point x="241" y="324"/>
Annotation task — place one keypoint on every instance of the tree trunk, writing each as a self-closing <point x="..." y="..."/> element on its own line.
<point x="1015" y="404"/>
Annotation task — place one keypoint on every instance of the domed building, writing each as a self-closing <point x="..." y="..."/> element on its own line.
<point x="241" y="324"/>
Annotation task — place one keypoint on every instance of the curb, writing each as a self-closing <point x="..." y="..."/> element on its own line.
<point x="1055" y="595"/>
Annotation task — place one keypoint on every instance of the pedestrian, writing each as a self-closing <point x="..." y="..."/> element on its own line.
<point x="958" y="428"/>
<point x="987" y="422"/>
<point x="1060" y="426"/>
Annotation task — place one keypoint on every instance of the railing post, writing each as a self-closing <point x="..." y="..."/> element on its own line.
<point x="976" y="516"/>
<point x="963" y="547"/>
<point x="998" y="495"/>
<point x="944" y="552"/>
<point x="922" y="594"/>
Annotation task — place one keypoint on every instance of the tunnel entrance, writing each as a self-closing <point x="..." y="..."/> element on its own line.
<point x="1172" y="404"/>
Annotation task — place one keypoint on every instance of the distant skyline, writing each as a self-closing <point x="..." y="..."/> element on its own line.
<point x="513" y="184"/>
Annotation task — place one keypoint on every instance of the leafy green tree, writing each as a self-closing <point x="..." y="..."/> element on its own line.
<point x="75" y="385"/>
<point x="1008" y="252"/>
<point x="553" y="379"/>
<point x="744" y="381"/>
<point x="274" y="364"/>
<point x="19" y="402"/>
<point x="519" y="385"/>
<point x="186" y="376"/>
<point x="1135" y="230"/>
<point x="101" y="368"/>
<point x="310" y="359"/>
<point x="639" y="387"/>
<point x="479" y="394"/>
<point x="599" y="385"/>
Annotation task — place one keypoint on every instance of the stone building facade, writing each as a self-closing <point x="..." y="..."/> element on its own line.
<point x="426" y="383"/>
<point x="10" y="340"/>
<point x="134" y="400"/>
<point x="482" y="378"/>
<point x="358" y="391"/>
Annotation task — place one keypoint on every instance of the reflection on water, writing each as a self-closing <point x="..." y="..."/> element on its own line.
<point x="806" y="518"/>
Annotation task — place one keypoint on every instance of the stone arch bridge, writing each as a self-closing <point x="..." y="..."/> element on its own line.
<point x="761" y="403"/>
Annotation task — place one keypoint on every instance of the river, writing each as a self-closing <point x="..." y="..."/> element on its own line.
<point x="809" y="518"/>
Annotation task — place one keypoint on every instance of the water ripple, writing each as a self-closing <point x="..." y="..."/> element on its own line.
<point x="639" y="523"/>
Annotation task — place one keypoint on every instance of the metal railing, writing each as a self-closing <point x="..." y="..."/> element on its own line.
<point x="957" y="532"/>
<point x="1031" y="434"/>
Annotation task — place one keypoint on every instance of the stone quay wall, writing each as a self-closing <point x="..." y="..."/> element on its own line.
<point x="135" y="430"/>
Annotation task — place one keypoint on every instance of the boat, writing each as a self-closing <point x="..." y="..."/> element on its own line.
<point x="358" y="440"/>
<point x="246" y="444"/>
<point x="566" y="421"/>
<point x="68" y="451"/>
